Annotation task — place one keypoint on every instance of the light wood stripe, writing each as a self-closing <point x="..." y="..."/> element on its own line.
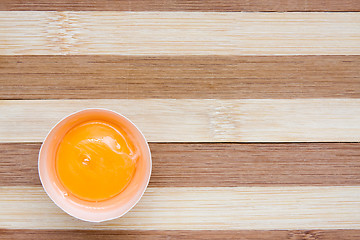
<point x="254" y="208"/>
<point x="221" y="77"/>
<point x="171" y="120"/>
<point x="217" y="165"/>
<point x="178" y="33"/>
<point x="181" y="5"/>
<point x="179" y="234"/>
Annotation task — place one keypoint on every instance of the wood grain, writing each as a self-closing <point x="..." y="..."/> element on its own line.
<point x="178" y="33"/>
<point x="216" y="86"/>
<point x="180" y="77"/>
<point x="201" y="120"/>
<point x="217" y="165"/>
<point x="179" y="234"/>
<point x="251" y="208"/>
<point x="182" y="5"/>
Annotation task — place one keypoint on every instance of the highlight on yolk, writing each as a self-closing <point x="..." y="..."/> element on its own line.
<point x="95" y="161"/>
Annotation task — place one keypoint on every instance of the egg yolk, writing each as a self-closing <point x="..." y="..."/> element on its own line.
<point x="95" y="161"/>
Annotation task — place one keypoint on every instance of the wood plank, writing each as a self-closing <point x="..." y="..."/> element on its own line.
<point x="201" y="120"/>
<point x="178" y="33"/>
<point x="182" y="5"/>
<point x="217" y="165"/>
<point x="194" y="77"/>
<point x="240" y="208"/>
<point x="180" y="234"/>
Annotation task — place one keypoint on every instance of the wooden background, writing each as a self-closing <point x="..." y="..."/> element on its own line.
<point x="251" y="108"/>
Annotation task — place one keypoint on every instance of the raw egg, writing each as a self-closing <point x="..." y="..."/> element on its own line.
<point x="96" y="161"/>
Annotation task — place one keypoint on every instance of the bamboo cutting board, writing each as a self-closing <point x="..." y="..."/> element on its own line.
<point x="251" y="108"/>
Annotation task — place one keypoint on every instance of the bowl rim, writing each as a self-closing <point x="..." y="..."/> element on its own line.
<point x="45" y="187"/>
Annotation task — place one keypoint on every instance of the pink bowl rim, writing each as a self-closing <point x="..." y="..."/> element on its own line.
<point x="115" y="215"/>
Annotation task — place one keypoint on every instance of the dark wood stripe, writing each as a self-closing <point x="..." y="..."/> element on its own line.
<point x="218" y="164"/>
<point x="221" y="77"/>
<point x="177" y="234"/>
<point x="182" y="5"/>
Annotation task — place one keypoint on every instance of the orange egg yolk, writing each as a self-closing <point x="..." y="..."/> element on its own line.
<point x="95" y="161"/>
